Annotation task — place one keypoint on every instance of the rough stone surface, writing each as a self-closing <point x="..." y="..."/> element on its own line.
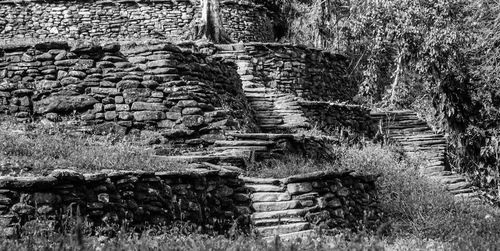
<point x="204" y="197"/>
<point x="243" y="20"/>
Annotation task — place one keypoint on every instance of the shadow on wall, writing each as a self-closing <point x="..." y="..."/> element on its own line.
<point x="155" y="86"/>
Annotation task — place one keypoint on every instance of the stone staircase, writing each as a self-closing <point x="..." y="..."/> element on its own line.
<point x="277" y="212"/>
<point x="275" y="111"/>
<point x="417" y="138"/>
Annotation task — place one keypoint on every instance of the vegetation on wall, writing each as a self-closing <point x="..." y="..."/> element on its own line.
<point x="437" y="57"/>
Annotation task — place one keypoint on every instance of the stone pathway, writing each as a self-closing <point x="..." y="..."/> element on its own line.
<point x="275" y="111"/>
<point x="277" y="210"/>
<point x="416" y="137"/>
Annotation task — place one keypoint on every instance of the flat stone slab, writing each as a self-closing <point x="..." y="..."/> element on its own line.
<point x="278" y="221"/>
<point x="293" y="236"/>
<point x="458" y="186"/>
<point x="264" y="188"/>
<point x="270" y="196"/>
<point x="275" y="206"/>
<point x="243" y="143"/>
<point x="253" y="180"/>
<point x="283" y="229"/>
<point x="284" y="213"/>
<point x="298" y="188"/>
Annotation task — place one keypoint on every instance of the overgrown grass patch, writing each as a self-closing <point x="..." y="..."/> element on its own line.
<point x="418" y="214"/>
<point x="39" y="150"/>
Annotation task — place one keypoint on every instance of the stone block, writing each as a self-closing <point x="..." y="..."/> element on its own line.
<point x="149" y="115"/>
<point x="110" y="115"/>
<point x="173" y="115"/>
<point x="298" y="188"/>
<point x="193" y="121"/>
<point x="122" y="107"/>
<point x="269" y="196"/>
<point x="145" y="106"/>
<point x="191" y="111"/>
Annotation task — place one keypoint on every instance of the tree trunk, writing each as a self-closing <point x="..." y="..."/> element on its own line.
<point x="397" y="73"/>
<point x="211" y="27"/>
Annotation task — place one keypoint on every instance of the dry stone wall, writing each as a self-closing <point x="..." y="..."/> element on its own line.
<point x="315" y="200"/>
<point x="308" y="73"/>
<point x="328" y="116"/>
<point x="206" y="198"/>
<point x="213" y="200"/>
<point x="126" y="19"/>
<point x="159" y="86"/>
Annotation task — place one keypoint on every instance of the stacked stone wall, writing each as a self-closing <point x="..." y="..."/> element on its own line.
<point x="127" y="19"/>
<point x="328" y="116"/>
<point x="206" y="198"/>
<point x="156" y="86"/>
<point x="324" y="199"/>
<point x="213" y="200"/>
<point x="309" y="74"/>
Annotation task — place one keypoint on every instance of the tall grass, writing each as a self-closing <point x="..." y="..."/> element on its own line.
<point x="42" y="149"/>
<point x="417" y="213"/>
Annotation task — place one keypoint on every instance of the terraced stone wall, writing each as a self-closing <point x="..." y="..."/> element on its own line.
<point x="159" y="86"/>
<point x="213" y="200"/>
<point x="329" y="116"/>
<point x="206" y="198"/>
<point x="127" y="19"/>
<point x="308" y="73"/>
<point x="322" y="199"/>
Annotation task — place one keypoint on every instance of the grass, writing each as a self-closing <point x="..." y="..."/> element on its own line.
<point x="29" y="150"/>
<point x="364" y="159"/>
<point x="417" y="214"/>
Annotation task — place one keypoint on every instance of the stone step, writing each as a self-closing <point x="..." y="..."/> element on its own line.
<point x="468" y="197"/>
<point x="451" y="179"/>
<point x="462" y="191"/>
<point x="283" y="229"/>
<point x="247" y="148"/>
<point x="266" y="116"/>
<point x="270" y="121"/>
<point x="285" y="213"/>
<point x="278" y="221"/>
<point x="275" y="205"/>
<point x="435" y="163"/>
<point x="419" y="136"/>
<point x="261" y="136"/>
<point x="265" y="188"/>
<point x="256" y="90"/>
<point x="254" y="180"/>
<point x="270" y="197"/>
<point x="433" y="169"/>
<point x="291" y="237"/>
<point x="439" y="174"/>
<point x="244" y="143"/>
<point x="458" y="186"/>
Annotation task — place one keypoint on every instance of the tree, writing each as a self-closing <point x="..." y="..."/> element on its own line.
<point x="211" y="28"/>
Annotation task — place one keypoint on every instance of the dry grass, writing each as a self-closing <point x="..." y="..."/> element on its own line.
<point x="28" y="149"/>
<point x="417" y="214"/>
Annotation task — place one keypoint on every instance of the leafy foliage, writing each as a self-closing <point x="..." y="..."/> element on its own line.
<point x="440" y="58"/>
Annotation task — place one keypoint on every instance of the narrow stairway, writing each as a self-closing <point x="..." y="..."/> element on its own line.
<point x="275" y="111"/>
<point x="276" y="211"/>
<point x="417" y="138"/>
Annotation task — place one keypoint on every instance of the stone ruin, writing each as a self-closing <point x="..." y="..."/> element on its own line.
<point x="235" y="101"/>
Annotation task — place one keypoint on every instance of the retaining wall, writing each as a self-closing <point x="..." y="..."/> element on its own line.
<point x="329" y="116"/>
<point x="309" y="74"/>
<point x="155" y="86"/>
<point x="206" y="198"/>
<point x="325" y="199"/>
<point x="214" y="200"/>
<point x="127" y="19"/>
